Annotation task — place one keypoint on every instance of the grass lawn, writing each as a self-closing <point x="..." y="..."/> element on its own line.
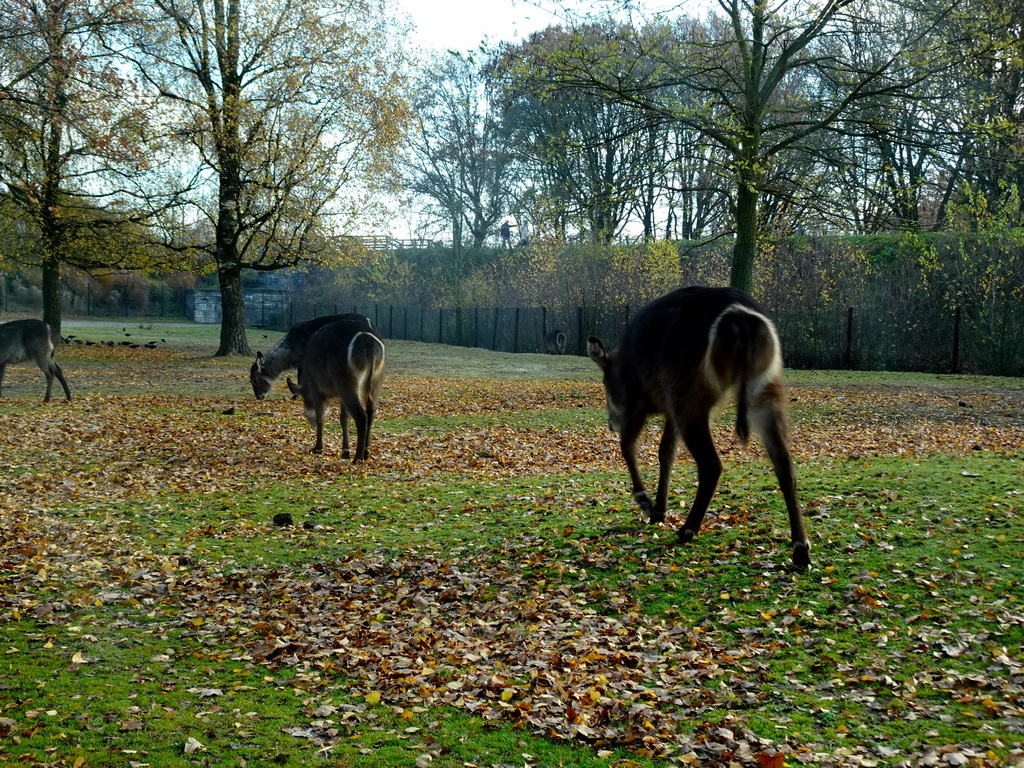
<point x="484" y="592"/>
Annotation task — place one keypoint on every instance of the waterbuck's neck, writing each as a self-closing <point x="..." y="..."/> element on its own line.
<point x="280" y="359"/>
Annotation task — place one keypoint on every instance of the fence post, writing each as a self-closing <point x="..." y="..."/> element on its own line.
<point x="956" y="340"/>
<point x="458" y="327"/>
<point x="515" y="338"/>
<point x="849" y="338"/>
<point x="494" y="335"/>
<point x="440" y="325"/>
<point x="580" y="346"/>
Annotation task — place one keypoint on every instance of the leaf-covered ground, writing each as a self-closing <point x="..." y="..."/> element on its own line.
<point x="487" y="567"/>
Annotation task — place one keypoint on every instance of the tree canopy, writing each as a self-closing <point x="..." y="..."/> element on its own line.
<point x="280" y="108"/>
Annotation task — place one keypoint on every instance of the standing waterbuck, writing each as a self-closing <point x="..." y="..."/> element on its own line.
<point x="21" y="340"/>
<point x="681" y="356"/>
<point x="288" y="353"/>
<point x="343" y="361"/>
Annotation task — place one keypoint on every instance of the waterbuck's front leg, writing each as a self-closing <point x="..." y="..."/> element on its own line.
<point x="666" y="458"/>
<point x="628" y="437"/>
<point x="709" y="469"/>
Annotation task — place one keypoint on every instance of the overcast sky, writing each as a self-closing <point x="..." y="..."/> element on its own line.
<point x="463" y="24"/>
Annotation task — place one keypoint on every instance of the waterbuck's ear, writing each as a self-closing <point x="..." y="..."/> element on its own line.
<point x="597" y="351"/>
<point x="258" y="365"/>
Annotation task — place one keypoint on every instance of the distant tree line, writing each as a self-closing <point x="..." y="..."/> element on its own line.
<point x="760" y="119"/>
<point x="240" y="139"/>
<point x="889" y="301"/>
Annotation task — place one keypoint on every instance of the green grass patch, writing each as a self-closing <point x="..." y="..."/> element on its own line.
<point x="473" y="601"/>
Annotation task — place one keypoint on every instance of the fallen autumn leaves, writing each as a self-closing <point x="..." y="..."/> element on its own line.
<point x="553" y="636"/>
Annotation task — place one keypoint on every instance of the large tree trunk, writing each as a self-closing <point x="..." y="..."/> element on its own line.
<point x="233" y="340"/>
<point x="51" y="293"/>
<point x="745" y="248"/>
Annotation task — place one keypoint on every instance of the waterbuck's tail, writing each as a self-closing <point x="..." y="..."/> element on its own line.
<point x="743" y="351"/>
<point x="366" y="355"/>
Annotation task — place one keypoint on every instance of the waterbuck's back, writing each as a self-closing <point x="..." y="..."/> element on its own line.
<point x="665" y="354"/>
<point x="22" y="340"/>
<point x="341" y="357"/>
<point x="31" y="339"/>
<point x="298" y="335"/>
<point x="681" y="355"/>
<point x="289" y="351"/>
<point x="343" y="361"/>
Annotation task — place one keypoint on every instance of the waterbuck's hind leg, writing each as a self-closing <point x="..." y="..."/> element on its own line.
<point x="697" y="437"/>
<point x="344" y="430"/>
<point x="60" y="377"/>
<point x="371" y="412"/>
<point x="769" y="422"/>
<point x="350" y="402"/>
<point x="46" y="365"/>
<point x="318" y="446"/>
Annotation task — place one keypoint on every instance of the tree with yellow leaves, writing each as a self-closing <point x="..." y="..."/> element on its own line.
<point x="73" y="136"/>
<point x="287" y="114"/>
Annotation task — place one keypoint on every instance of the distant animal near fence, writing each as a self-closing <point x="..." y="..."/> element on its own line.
<point x="877" y="338"/>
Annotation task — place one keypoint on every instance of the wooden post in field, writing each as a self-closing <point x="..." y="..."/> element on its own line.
<point x="580" y="346"/>
<point x="849" y="338"/>
<point x="956" y="340"/>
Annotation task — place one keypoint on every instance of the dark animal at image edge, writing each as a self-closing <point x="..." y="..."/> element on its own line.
<point x="22" y="340"/>
<point x="343" y="361"/>
<point x="554" y="343"/>
<point x="682" y="355"/>
<point x="287" y="355"/>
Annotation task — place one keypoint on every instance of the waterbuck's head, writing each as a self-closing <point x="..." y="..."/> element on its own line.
<point x="612" y="389"/>
<point x="261" y="383"/>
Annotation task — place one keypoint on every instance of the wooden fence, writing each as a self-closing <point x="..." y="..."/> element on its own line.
<point x="852" y="338"/>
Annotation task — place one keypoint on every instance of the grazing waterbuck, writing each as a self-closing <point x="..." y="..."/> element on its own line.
<point x="681" y="356"/>
<point x="288" y="353"/>
<point x="343" y="361"/>
<point x="22" y="340"/>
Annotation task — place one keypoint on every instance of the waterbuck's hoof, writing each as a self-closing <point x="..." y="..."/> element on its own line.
<point x="644" y="502"/>
<point x="802" y="555"/>
<point x="685" y="535"/>
<point x="656" y="517"/>
<point x="346" y="455"/>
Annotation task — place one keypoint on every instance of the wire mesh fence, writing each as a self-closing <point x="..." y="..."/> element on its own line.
<point x="877" y="337"/>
